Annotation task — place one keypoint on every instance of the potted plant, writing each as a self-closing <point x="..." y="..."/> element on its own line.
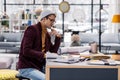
<point x="5" y="21"/>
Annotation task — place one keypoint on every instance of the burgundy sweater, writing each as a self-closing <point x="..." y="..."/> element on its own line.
<point x="31" y="55"/>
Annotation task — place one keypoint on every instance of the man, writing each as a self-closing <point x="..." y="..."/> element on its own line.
<point x="36" y="42"/>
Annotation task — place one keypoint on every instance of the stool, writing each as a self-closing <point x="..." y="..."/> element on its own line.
<point x="7" y="74"/>
<point x="21" y="77"/>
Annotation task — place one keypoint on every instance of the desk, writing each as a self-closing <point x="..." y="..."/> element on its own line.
<point x="81" y="71"/>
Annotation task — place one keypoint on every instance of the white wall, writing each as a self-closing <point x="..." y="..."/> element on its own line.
<point x="114" y="9"/>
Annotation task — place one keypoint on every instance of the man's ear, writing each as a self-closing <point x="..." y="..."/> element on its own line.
<point x="43" y="20"/>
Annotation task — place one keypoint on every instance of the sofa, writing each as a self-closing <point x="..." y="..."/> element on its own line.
<point x="6" y="62"/>
<point x="110" y="42"/>
<point x="10" y="41"/>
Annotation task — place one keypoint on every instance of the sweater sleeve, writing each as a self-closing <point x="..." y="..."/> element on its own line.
<point x="54" y="48"/>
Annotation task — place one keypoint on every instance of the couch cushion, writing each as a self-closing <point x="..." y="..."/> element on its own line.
<point x="1" y="38"/>
<point x="89" y="37"/>
<point x="5" y="62"/>
<point x="8" y="74"/>
<point x="12" y="37"/>
<point x="7" y="44"/>
<point x="109" y="38"/>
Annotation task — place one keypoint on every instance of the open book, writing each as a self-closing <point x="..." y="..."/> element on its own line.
<point x="51" y="55"/>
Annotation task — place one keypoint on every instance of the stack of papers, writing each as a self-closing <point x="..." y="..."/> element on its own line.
<point x="51" y="55"/>
<point x="69" y="61"/>
<point x="78" y="49"/>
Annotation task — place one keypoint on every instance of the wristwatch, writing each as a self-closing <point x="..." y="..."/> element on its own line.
<point x="64" y="6"/>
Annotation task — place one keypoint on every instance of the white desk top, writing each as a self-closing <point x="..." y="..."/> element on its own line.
<point x="62" y="61"/>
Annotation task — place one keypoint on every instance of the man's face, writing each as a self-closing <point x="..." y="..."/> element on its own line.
<point x="50" y="21"/>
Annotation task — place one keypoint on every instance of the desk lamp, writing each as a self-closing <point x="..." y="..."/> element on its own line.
<point x="116" y="20"/>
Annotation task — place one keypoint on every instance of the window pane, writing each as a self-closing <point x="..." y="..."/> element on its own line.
<point x="78" y="17"/>
<point x="79" y="1"/>
<point x="48" y="1"/>
<point x="19" y="1"/>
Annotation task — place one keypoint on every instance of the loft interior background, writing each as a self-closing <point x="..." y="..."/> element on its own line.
<point x="83" y="14"/>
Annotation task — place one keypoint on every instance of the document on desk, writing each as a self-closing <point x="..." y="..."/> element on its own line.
<point x="104" y="62"/>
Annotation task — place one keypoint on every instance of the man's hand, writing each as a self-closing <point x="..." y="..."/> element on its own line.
<point x="55" y="33"/>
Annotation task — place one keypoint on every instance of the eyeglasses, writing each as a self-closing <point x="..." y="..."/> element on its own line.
<point x="52" y="20"/>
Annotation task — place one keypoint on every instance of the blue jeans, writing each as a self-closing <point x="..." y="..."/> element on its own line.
<point x="32" y="73"/>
